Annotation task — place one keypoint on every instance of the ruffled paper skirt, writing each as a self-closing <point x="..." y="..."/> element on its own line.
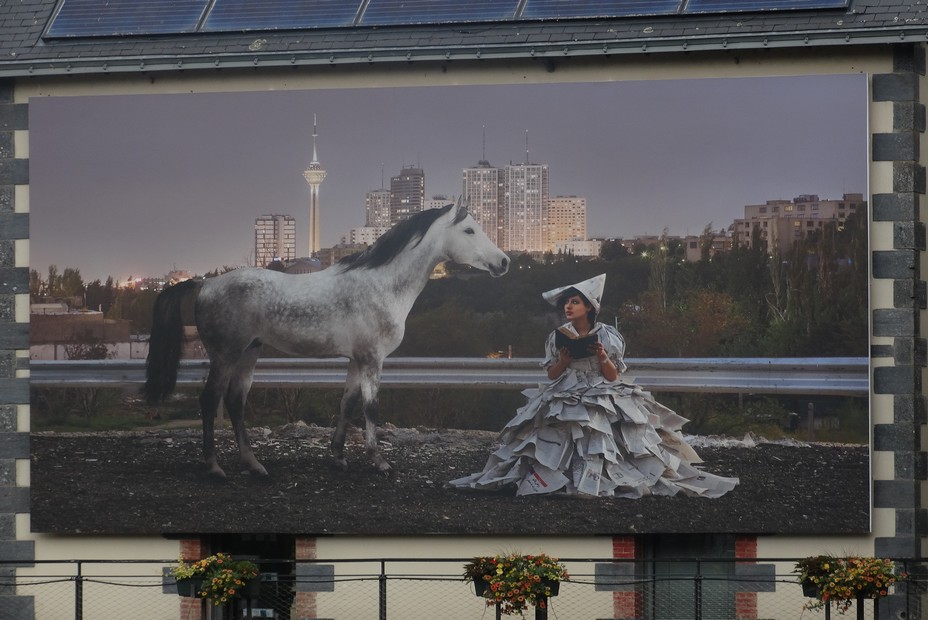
<point x="583" y="435"/>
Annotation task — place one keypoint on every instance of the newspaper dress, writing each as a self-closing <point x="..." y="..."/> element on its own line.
<point x="581" y="434"/>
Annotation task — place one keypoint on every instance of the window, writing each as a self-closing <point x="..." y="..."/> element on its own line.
<point x="674" y="594"/>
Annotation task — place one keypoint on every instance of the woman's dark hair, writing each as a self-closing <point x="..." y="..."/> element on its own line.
<point x="571" y="292"/>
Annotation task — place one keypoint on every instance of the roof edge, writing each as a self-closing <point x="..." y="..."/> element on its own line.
<point x="104" y="65"/>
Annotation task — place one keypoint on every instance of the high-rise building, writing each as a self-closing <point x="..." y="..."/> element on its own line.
<point x="314" y="175"/>
<point x="377" y="205"/>
<point x="407" y="194"/>
<point x="482" y="193"/>
<point x="275" y="238"/>
<point x="566" y="220"/>
<point x="365" y="235"/>
<point x="436" y="202"/>
<point x="525" y="208"/>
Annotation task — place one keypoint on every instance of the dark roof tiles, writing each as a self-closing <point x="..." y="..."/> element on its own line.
<point x="22" y="48"/>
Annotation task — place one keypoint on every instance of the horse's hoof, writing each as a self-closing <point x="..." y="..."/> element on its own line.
<point x="216" y="474"/>
<point x="384" y="469"/>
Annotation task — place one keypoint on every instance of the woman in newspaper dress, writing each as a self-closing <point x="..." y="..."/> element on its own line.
<point x="587" y="432"/>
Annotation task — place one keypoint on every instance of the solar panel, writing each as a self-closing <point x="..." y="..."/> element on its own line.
<point x="562" y="9"/>
<point x="745" y="6"/>
<point x="280" y="14"/>
<point x="94" y="18"/>
<point x="395" y="12"/>
<point x="91" y="18"/>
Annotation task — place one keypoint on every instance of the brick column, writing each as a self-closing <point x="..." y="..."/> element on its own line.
<point x="304" y="603"/>
<point x="626" y="604"/>
<point x="746" y="602"/>
<point x="191" y="550"/>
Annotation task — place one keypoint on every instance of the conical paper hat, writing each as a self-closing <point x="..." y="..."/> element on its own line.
<point x="592" y="289"/>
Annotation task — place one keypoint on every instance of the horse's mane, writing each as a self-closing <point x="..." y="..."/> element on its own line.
<point x="402" y="235"/>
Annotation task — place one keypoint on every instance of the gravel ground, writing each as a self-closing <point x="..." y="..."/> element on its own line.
<point x="153" y="482"/>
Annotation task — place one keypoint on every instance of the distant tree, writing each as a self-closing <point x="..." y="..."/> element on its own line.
<point x="705" y="242"/>
<point x="135" y="306"/>
<point x="100" y="296"/>
<point x="613" y="250"/>
<point x="71" y="283"/>
<point x="37" y="287"/>
<point x="659" y="281"/>
<point x="53" y="283"/>
<point x="706" y="323"/>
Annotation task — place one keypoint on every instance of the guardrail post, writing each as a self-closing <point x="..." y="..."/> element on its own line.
<point x="810" y="422"/>
<point x="383" y="590"/>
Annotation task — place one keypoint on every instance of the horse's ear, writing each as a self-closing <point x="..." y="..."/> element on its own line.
<point x="460" y="210"/>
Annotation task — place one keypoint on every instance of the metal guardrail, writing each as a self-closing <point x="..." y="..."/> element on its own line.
<point x="838" y="376"/>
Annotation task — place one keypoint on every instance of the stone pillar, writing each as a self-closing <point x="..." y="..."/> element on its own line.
<point x="899" y="366"/>
<point x="14" y="357"/>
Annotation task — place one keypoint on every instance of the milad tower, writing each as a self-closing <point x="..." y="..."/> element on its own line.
<point x="314" y="175"/>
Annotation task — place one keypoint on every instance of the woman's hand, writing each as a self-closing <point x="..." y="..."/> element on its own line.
<point x="606" y="367"/>
<point x="564" y="358"/>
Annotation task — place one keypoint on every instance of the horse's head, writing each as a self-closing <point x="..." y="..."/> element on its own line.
<point x="467" y="244"/>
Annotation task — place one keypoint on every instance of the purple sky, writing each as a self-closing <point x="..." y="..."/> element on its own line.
<point x="138" y="185"/>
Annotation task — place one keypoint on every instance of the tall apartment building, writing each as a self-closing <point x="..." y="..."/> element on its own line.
<point x="482" y="193"/>
<point x="566" y="220"/>
<point x="275" y="238"/>
<point x="407" y="194"/>
<point x="377" y="206"/>
<point x="366" y="235"/>
<point x="524" y="209"/>
<point x="436" y="202"/>
<point x="781" y="222"/>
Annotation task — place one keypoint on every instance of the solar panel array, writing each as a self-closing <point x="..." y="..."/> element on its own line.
<point x="100" y="18"/>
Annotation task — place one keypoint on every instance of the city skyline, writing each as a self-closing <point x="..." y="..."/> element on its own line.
<point x="138" y="185"/>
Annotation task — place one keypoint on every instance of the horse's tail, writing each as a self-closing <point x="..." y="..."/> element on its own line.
<point x="167" y="340"/>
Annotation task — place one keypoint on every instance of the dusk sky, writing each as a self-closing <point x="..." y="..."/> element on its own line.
<point x="139" y="185"/>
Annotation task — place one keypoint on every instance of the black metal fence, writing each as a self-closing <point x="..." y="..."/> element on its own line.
<point x="415" y="589"/>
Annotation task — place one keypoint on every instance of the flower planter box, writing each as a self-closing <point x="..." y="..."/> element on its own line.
<point x="809" y="589"/>
<point x="189" y="587"/>
<point x="554" y="585"/>
<point x="481" y="587"/>
<point x="251" y="589"/>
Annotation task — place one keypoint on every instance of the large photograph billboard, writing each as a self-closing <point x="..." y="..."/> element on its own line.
<point x="725" y="390"/>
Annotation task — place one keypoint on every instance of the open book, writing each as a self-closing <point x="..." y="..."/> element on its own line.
<point x="577" y="346"/>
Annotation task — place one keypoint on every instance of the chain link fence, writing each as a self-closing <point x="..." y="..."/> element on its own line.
<point x="410" y="589"/>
